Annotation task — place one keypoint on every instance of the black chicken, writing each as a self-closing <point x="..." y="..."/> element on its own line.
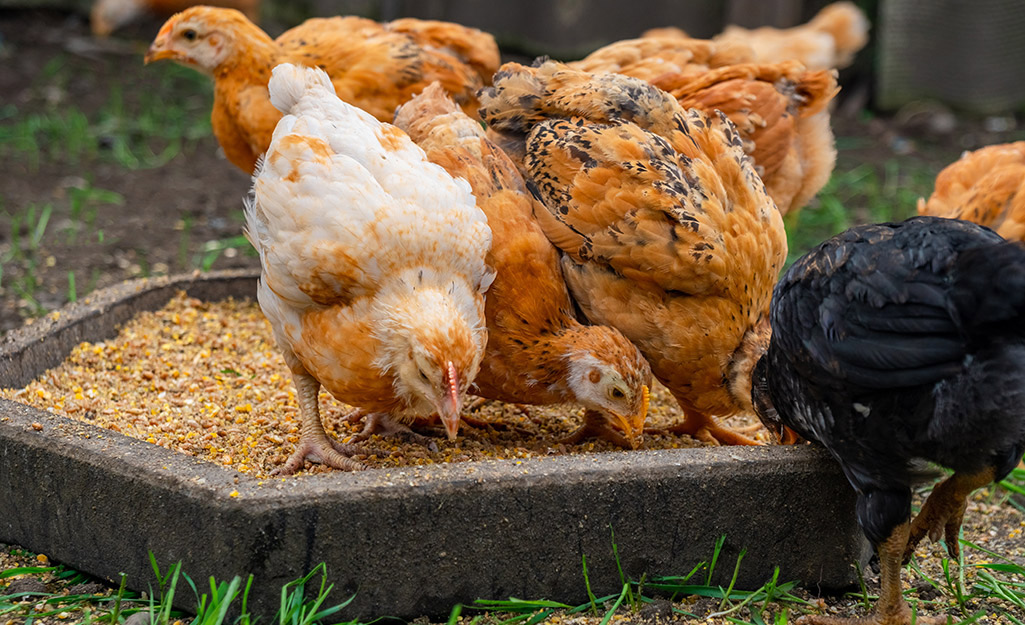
<point x="895" y="344"/>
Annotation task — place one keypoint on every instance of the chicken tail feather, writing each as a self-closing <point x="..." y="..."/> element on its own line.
<point x="289" y="83"/>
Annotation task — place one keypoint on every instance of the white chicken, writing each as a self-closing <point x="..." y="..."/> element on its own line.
<point x="373" y="266"/>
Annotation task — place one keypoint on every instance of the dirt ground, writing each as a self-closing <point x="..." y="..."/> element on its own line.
<point x="171" y="215"/>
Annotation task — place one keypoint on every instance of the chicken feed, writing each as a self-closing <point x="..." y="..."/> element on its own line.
<point x="205" y="378"/>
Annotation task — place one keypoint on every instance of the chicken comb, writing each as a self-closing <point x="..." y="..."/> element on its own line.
<point x="453" y="389"/>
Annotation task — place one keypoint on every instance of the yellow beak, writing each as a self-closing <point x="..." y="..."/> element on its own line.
<point x="633" y="425"/>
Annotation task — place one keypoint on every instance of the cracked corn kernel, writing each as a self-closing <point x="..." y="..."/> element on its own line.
<point x="232" y="387"/>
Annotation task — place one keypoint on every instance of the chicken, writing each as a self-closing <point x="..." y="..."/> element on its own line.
<point x="780" y="109"/>
<point x="649" y="58"/>
<point x="106" y="16"/>
<point x="537" y="352"/>
<point x="667" y="232"/>
<point x="829" y="41"/>
<point x="897" y="343"/>
<point x="373" y="66"/>
<point x="373" y="266"/>
<point x="986" y="187"/>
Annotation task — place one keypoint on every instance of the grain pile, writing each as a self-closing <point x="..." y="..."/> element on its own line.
<point x="205" y="378"/>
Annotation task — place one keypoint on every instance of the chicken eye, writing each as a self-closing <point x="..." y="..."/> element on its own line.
<point x="423" y="376"/>
<point x="617" y="394"/>
<point x="189" y="34"/>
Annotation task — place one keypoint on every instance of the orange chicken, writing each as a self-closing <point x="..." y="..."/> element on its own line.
<point x="986" y="187"/>
<point x="649" y="58"/>
<point x="780" y="109"/>
<point x="106" y="16"/>
<point x="829" y="40"/>
<point x="781" y="112"/>
<point x="667" y="232"/>
<point x="373" y="266"/>
<point x="537" y="351"/>
<point x="373" y="66"/>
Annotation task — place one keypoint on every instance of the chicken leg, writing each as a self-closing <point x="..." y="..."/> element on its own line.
<point x="891" y="608"/>
<point x="704" y="428"/>
<point x="314" y="443"/>
<point x="943" y="511"/>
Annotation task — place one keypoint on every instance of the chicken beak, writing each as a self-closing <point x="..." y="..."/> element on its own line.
<point x="789" y="437"/>
<point x="160" y="49"/>
<point x="633" y="425"/>
<point x="158" y="52"/>
<point x="450" y="404"/>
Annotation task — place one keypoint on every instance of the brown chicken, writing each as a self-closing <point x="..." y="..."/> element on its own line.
<point x="986" y="187"/>
<point x="829" y="40"/>
<point x="373" y="66"/>
<point x="106" y="16"/>
<point x="537" y="352"/>
<point x="780" y="109"/>
<point x="667" y="232"/>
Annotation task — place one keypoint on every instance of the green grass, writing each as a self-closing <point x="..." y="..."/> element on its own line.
<point x="144" y="131"/>
<point x="303" y="601"/>
<point x="859" y="194"/>
<point x="994" y="586"/>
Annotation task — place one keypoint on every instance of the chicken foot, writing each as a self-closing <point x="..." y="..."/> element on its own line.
<point x="480" y="402"/>
<point x="891" y="607"/>
<point x="943" y="511"/>
<point x="314" y="443"/>
<point x="596" y="425"/>
<point x="704" y="428"/>
<point x="384" y="425"/>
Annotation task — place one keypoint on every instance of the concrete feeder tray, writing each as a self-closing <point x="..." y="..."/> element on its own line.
<point x="407" y="542"/>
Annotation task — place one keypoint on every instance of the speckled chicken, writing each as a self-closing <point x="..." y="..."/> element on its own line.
<point x="537" y="352"/>
<point x="781" y="110"/>
<point x="373" y="66"/>
<point x="667" y="232"/>
<point x="373" y="265"/>
<point x="894" y="344"/>
<point x="986" y="187"/>
<point x="830" y="40"/>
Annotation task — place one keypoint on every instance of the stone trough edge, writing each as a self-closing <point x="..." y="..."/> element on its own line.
<point x="407" y="542"/>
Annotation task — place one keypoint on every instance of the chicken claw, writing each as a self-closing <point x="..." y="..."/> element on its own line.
<point x="943" y="512"/>
<point x="322" y="451"/>
<point x="705" y="429"/>
<point x="381" y="423"/>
